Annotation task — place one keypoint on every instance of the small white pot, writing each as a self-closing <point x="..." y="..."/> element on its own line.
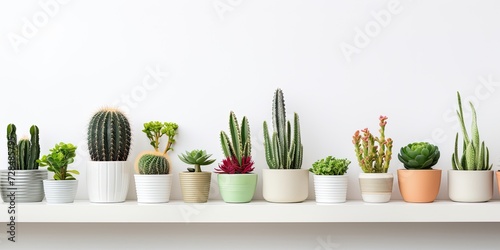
<point x="107" y="181"/>
<point x="285" y="185"/>
<point x="153" y="188"/>
<point x="376" y="187"/>
<point x="470" y="186"/>
<point x="60" y="191"/>
<point x="330" y="188"/>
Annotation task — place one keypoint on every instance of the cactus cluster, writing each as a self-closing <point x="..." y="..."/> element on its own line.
<point x="283" y="151"/>
<point x="109" y="136"/>
<point x="373" y="158"/>
<point x="153" y="164"/>
<point x="419" y="155"/>
<point x="236" y="149"/>
<point x="23" y="155"/>
<point x="475" y="155"/>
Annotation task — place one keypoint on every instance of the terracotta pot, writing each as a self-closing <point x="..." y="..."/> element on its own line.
<point x="419" y="185"/>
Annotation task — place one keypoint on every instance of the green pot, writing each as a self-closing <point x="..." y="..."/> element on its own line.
<point x="237" y="188"/>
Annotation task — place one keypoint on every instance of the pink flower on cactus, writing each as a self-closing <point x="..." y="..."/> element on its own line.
<point x="383" y="120"/>
<point x="232" y="166"/>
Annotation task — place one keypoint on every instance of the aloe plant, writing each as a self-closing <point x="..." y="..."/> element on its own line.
<point x="475" y="155"/>
<point x="109" y="136"/>
<point x="283" y="151"/>
<point x="419" y="155"/>
<point x="23" y="155"/>
<point x="236" y="149"/>
<point x="197" y="158"/>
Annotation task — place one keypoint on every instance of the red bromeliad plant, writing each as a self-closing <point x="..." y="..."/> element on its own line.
<point x="373" y="158"/>
<point x="232" y="166"/>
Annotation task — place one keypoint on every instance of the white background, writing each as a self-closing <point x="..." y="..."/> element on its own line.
<point x="80" y="56"/>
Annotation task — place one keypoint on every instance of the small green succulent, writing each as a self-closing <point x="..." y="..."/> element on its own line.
<point x="419" y="155"/>
<point x="330" y="166"/>
<point x="197" y="158"/>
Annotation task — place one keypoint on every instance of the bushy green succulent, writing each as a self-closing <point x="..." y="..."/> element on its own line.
<point x="419" y="155"/>
<point x="58" y="159"/>
<point x="197" y="158"/>
<point x="330" y="166"/>
<point x="153" y="164"/>
<point x="154" y="130"/>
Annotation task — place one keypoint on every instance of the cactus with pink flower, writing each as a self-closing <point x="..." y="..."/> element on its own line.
<point x="373" y="153"/>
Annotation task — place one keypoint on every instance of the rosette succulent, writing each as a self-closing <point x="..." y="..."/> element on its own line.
<point x="419" y="155"/>
<point x="197" y="158"/>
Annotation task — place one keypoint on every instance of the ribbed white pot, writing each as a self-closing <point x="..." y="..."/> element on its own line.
<point x="470" y="186"/>
<point x="154" y="188"/>
<point x="60" y="191"/>
<point x="330" y="188"/>
<point x="376" y="187"/>
<point x="107" y="181"/>
<point x="285" y="185"/>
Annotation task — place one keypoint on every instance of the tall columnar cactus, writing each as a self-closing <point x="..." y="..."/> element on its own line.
<point x="12" y="146"/>
<point x="283" y="151"/>
<point x="153" y="164"/>
<point x="109" y="136"/>
<point x="23" y="155"/>
<point x="475" y="155"/>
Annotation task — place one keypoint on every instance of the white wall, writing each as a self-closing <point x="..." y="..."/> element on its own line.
<point x="83" y="55"/>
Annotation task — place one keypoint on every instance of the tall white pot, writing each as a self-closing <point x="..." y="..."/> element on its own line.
<point x="107" y="181"/>
<point x="285" y="185"/>
<point x="330" y="188"/>
<point x="470" y="186"/>
<point x="153" y="188"/>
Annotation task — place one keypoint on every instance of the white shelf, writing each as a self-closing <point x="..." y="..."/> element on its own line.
<point x="254" y="212"/>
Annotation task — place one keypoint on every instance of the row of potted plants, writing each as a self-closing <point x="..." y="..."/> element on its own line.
<point x="109" y="137"/>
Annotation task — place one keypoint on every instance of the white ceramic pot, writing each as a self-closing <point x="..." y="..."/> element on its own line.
<point x="285" y="185"/>
<point x="470" y="186"/>
<point x="330" y="188"/>
<point x="27" y="185"/>
<point x="60" y="191"/>
<point x="107" y="181"/>
<point x="154" y="188"/>
<point x="376" y="187"/>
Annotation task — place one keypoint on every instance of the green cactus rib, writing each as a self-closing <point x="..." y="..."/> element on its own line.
<point x="24" y="153"/>
<point x="239" y="145"/>
<point x="35" y="148"/>
<point x="283" y="151"/>
<point x="153" y="164"/>
<point x="109" y="136"/>
<point x="12" y="146"/>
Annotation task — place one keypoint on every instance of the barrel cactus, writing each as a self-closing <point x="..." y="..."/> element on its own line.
<point x="23" y="155"/>
<point x="153" y="164"/>
<point x="109" y="136"/>
<point x="419" y="155"/>
<point x="283" y="151"/>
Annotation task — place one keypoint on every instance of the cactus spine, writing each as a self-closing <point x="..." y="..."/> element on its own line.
<point x="153" y="164"/>
<point x="109" y="136"/>
<point x="283" y="151"/>
<point x="239" y="146"/>
<point x="23" y="155"/>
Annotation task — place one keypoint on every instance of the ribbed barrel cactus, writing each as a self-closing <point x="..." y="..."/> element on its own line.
<point x="419" y="155"/>
<point x="109" y="136"/>
<point x="23" y="155"/>
<point x="283" y="151"/>
<point x="153" y="164"/>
